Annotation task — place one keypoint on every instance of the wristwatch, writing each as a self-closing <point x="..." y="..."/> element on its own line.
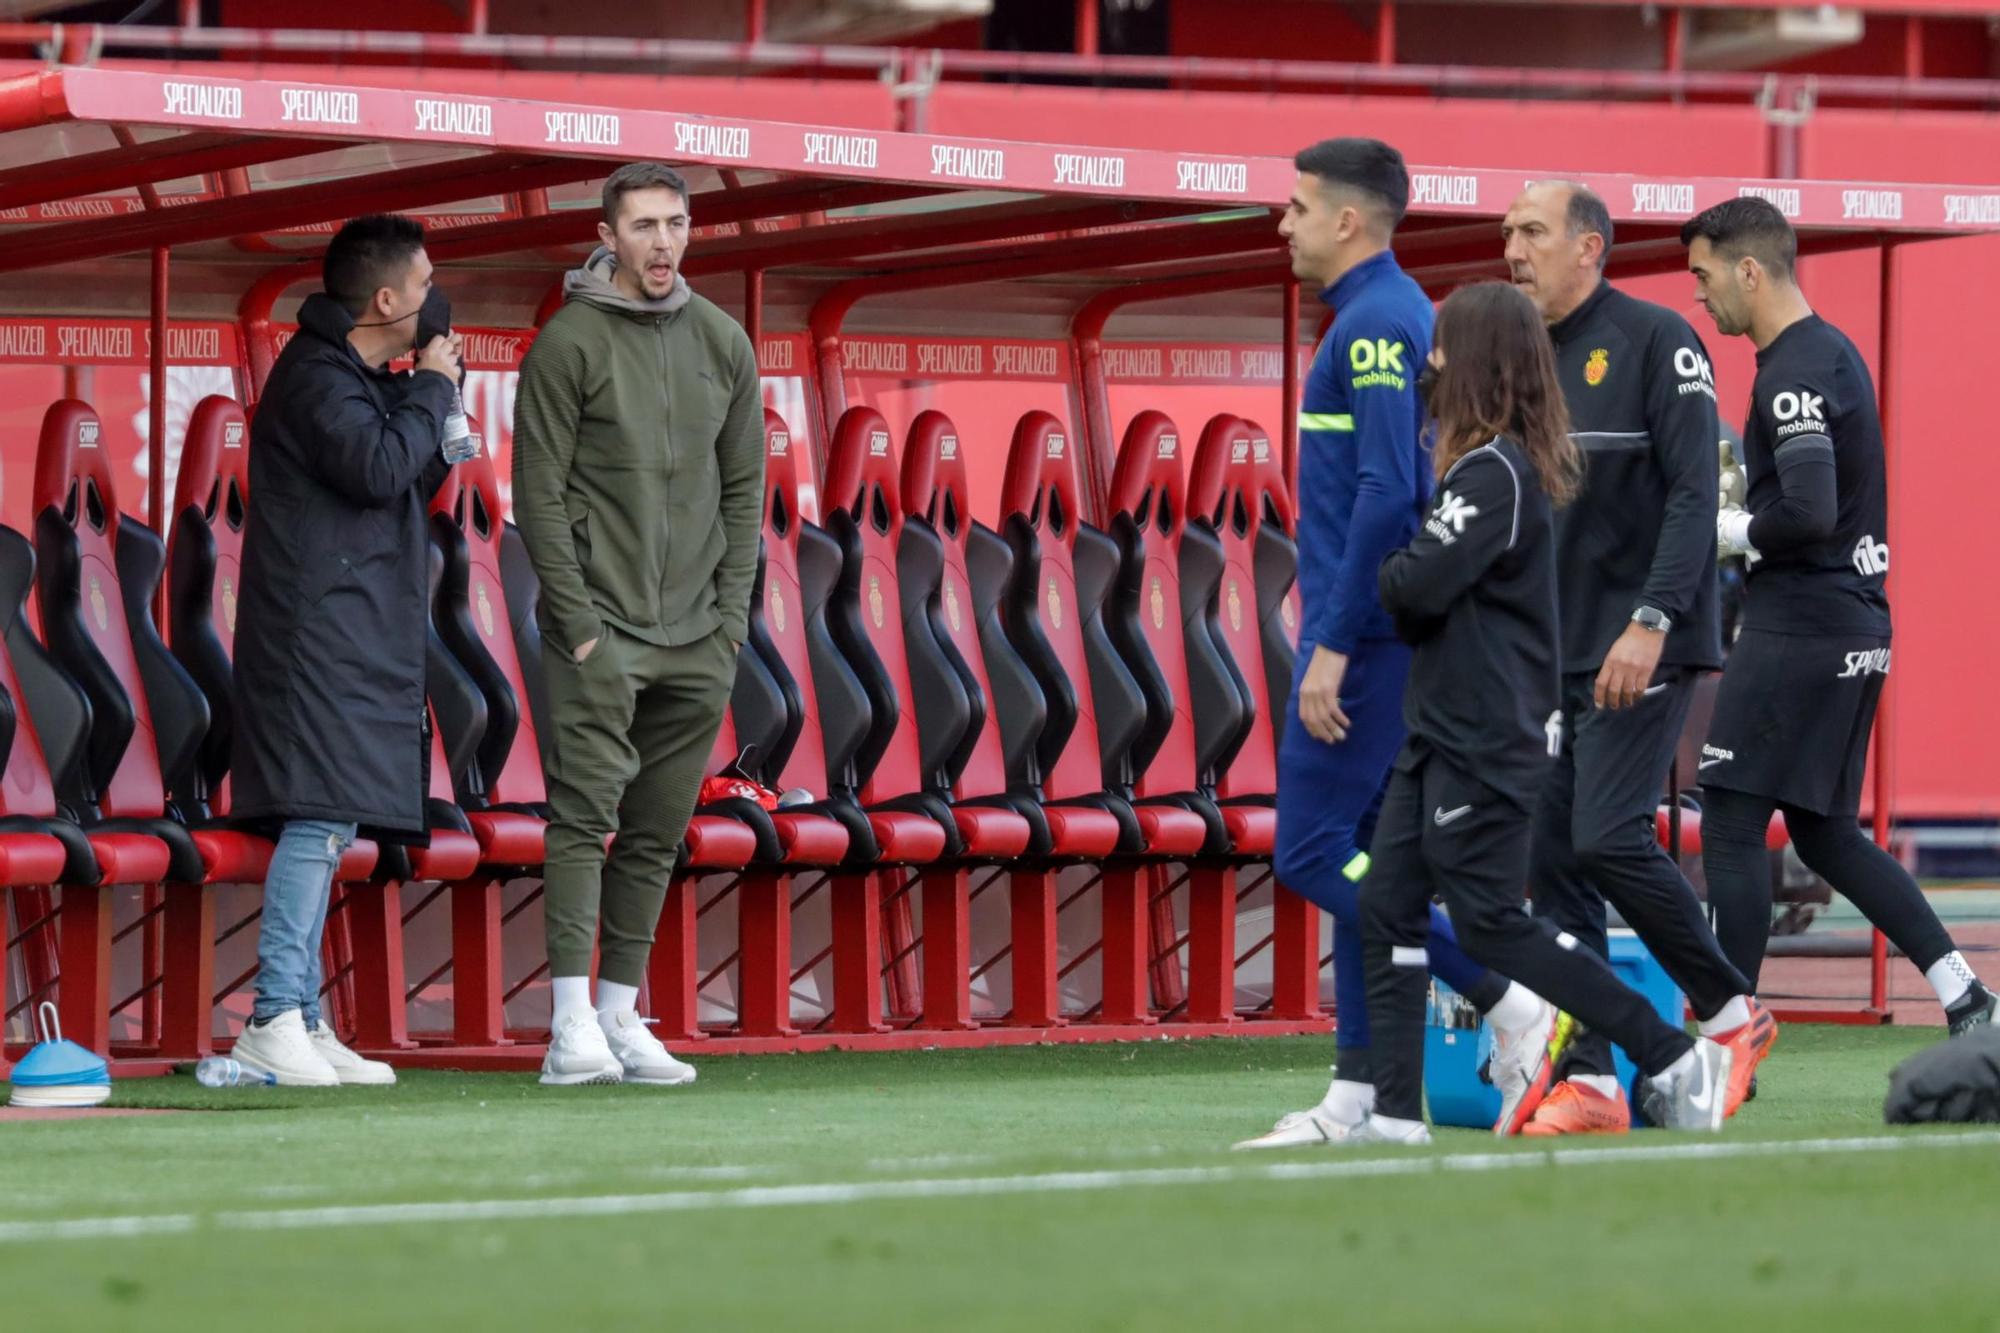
<point x="1652" y="618"/>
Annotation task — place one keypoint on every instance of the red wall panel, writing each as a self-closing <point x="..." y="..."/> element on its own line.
<point x="1540" y="137"/>
<point x="1943" y="468"/>
<point x="1934" y="147"/>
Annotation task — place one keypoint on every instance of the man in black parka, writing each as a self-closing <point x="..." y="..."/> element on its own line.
<point x="330" y="737"/>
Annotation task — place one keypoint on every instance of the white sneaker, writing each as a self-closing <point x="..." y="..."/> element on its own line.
<point x="352" y="1069"/>
<point x="1697" y="1096"/>
<point x="1523" y="1063"/>
<point x="1322" y="1124"/>
<point x="639" y="1052"/>
<point x="578" y="1054"/>
<point x="282" y="1049"/>
<point x="1375" y="1130"/>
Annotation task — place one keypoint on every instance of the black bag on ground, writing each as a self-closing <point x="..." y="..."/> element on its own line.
<point x="1953" y="1082"/>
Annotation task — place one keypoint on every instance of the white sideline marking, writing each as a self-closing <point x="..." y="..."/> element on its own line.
<point x="1060" y="1182"/>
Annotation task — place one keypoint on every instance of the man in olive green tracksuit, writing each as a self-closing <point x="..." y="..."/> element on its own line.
<point x="638" y="489"/>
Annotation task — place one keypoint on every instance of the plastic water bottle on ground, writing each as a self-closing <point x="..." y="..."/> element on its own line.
<point x="219" y="1071"/>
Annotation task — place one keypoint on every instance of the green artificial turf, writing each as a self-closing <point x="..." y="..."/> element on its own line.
<point x="1797" y="1239"/>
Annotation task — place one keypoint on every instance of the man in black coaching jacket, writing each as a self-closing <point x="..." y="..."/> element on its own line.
<point x="1635" y="561"/>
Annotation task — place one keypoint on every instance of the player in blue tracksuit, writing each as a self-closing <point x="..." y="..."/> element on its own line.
<point x="1364" y="481"/>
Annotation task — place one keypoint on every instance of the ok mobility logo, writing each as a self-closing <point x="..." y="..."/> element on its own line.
<point x="1376" y="362"/>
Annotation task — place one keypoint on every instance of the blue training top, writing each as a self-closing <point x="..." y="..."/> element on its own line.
<point x="1364" y="473"/>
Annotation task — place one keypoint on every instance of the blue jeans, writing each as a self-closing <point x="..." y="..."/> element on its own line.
<point x="296" y="892"/>
<point x="1328" y="796"/>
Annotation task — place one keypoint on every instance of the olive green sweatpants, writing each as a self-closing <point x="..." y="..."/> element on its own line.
<point x="633" y="727"/>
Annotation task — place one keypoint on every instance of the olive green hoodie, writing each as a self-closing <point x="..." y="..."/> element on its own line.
<point x="639" y="464"/>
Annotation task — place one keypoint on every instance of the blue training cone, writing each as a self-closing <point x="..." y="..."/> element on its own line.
<point x="59" y="1073"/>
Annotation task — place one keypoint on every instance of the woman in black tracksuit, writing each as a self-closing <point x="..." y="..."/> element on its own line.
<point x="1475" y="594"/>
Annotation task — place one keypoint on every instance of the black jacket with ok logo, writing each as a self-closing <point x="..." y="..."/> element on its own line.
<point x="1641" y="398"/>
<point x="1475" y="594"/>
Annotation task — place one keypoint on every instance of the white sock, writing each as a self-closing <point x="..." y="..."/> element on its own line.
<point x="1516" y="1009"/>
<point x="615" y="997"/>
<point x="1397" y="1129"/>
<point x="1666" y="1076"/>
<point x="1950" y="978"/>
<point x="1348" y="1100"/>
<point x="1604" y="1085"/>
<point x="567" y="996"/>
<point x="1728" y="1018"/>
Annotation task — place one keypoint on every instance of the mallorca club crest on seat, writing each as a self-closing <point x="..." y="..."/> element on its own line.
<point x="485" y="613"/>
<point x="1159" y="600"/>
<point x="875" y="600"/>
<point x="1055" y="605"/>
<point x="98" y="610"/>
<point x="1236" y="607"/>
<point x="951" y="606"/>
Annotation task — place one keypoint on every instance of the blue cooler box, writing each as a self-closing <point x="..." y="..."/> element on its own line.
<point x="1453" y="1054"/>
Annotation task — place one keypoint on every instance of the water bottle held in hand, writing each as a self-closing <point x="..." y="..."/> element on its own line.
<point x="459" y="441"/>
<point x="219" y="1071"/>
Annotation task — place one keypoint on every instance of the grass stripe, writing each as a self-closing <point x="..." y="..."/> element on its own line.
<point x="1061" y="1182"/>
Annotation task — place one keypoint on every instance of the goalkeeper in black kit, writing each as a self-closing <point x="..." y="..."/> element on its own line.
<point x="1798" y="698"/>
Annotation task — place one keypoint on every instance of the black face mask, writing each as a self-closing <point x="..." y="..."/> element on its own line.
<point x="434" y="319"/>
<point x="1427" y="380"/>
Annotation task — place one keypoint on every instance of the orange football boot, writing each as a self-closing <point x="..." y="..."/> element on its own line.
<point x="1751" y="1043"/>
<point x="1572" y="1108"/>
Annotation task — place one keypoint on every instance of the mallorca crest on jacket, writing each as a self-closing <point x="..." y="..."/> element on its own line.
<point x="1594" y="369"/>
